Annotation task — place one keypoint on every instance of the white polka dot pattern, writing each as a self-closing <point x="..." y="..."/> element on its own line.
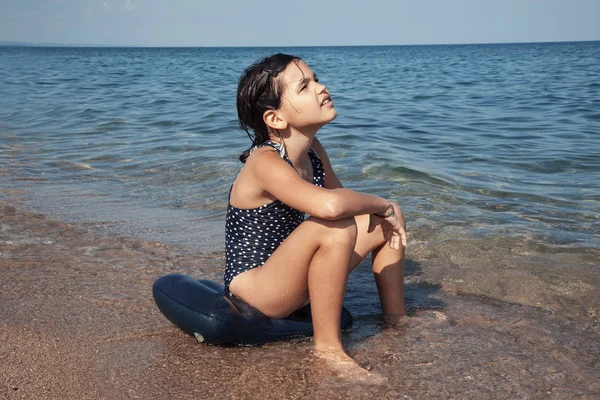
<point x="252" y="235"/>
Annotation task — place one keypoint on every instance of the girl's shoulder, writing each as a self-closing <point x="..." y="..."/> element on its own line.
<point x="270" y="145"/>
<point x="249" y="187"/>
<point x="267" y="152"/>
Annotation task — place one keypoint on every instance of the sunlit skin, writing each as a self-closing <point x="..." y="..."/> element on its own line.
<point x="314" y="261"/>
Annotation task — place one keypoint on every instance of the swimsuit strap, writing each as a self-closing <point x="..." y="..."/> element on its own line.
<point x="278" y="147"/>
<point x="316" y="162"/>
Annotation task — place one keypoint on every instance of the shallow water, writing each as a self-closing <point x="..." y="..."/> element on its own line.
<point x="78" y="321"/>
<point x="493" y="151"/>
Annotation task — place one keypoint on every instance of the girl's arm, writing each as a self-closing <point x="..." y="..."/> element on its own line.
<point x="278" y="179"/>
<point x="394" y="223"/>
<point x="331" y="180"/>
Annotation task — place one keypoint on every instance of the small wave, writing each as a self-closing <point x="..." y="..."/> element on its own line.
<point x="478" y="159"/>
<point x="108" y="84"/>
<point x="71" y="166"/>
<point x="87" y="111"/>
<point x="515" y="118"/>
<point x="422" y="97"/>
<point x="165" y="123"/>
<point x="103" y="158"/>
<point x="131" y="166"/>
<point x="160" y="102"/>
<point x="546" y="166"/>
<point x="401" y="174"/>
<point x="111" y="124"/>
<point x="525" y="128"/>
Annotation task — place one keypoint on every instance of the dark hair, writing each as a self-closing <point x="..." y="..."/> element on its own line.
<point x="259" y="91"/>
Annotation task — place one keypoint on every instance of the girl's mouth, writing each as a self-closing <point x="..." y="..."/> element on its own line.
<point x="326" y="101"/>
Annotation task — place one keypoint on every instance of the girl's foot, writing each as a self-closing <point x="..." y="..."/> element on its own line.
<point x="395" y="321"/>
<point x="345" y="367"/>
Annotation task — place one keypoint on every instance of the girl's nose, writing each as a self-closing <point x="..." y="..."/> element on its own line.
<point x="321" y="87"/>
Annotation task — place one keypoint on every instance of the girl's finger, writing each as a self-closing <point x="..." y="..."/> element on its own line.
<point x="403" y="236"/>
<point x="394" y="242"/>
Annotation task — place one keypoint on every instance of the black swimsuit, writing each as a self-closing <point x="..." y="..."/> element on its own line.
<point x="252" y="235"/>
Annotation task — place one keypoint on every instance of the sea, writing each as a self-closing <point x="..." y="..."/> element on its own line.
<point x="491" y="150"/>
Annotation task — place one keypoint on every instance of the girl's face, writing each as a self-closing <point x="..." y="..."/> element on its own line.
<point x="305" y="102"/>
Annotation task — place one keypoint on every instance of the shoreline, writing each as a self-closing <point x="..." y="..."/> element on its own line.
<point x="78" y="321"/>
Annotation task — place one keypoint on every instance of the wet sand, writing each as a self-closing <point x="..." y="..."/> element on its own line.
<point x="77" y="321"/>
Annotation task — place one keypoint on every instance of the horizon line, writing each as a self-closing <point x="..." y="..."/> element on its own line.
<point x="9" y="43"/>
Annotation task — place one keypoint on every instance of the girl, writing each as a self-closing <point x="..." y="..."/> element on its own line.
<point x="275" y="259"/>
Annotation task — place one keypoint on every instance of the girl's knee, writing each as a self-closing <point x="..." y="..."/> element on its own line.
<point x="347" y="229"/>
<point x="340" y="231"/>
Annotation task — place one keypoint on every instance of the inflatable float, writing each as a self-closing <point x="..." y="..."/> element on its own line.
<point x="201" y="309"/>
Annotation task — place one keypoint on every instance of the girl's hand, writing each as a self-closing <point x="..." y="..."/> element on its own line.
<point x="394" y="227"/>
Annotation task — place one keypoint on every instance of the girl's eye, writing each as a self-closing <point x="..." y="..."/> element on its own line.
<point x="305" y="86"/>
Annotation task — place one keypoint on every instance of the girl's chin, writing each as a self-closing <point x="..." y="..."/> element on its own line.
<point x="319" y="125"/>
<point x="328" y="120"/>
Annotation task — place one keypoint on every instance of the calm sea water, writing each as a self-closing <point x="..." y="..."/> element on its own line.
<point x="500" y="140"/>
<point x="497" y="139"/>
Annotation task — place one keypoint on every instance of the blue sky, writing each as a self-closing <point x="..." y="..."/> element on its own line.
<point x="297" y="22"/>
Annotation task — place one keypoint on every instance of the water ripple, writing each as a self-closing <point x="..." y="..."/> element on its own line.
<point x="503" y="135"/>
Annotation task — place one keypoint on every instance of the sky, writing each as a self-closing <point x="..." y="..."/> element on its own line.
<point x="297" y="22"/>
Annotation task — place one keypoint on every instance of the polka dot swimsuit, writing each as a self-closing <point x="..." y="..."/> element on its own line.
<point x="252" y="235"/>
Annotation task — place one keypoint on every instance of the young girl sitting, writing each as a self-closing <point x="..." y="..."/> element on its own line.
<point x="276" y="260"/>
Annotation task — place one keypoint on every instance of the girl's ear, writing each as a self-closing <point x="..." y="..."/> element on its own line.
<point x="274" y="120"/>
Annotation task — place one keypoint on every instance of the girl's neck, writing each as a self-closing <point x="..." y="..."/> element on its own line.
<point x="297" y="145"/>
<point x="297" y="148"/>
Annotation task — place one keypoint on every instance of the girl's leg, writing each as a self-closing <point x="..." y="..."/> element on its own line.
<point x="388" y="266"/>
<point x="313" y="262"/>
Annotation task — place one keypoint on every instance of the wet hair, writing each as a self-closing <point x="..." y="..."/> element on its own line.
<point x="259" y="90"/>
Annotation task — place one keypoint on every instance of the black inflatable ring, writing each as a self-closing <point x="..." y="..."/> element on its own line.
<point x="202" y="310"/>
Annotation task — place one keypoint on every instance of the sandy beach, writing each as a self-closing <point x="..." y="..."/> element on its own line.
<point x="77" y="321"/>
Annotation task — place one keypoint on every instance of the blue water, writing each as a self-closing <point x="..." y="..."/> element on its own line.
<point x="493" y="140"/>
